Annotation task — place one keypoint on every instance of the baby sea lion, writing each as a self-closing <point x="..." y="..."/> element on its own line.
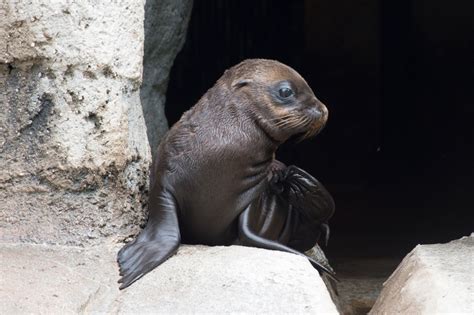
<point x="216" y="181"/>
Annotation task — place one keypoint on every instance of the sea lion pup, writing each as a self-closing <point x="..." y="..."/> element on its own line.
<point x="216" y="180"/>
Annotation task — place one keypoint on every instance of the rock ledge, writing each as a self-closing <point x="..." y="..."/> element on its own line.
<point x="49" y="279"/>
<point x="432" y="279"/>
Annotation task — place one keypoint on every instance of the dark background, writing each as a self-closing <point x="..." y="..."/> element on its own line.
<point x="398" y="80"/>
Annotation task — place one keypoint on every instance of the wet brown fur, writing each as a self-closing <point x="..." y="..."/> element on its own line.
<point x="217" y="159"/>
<point x="236" y="123"/>
<point x="239" y="107"/>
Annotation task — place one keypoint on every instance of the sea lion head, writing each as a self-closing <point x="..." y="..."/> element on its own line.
<point x="277" y="98"/>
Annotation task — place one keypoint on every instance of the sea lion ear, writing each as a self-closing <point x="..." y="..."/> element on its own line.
<point x="241" y="83"/>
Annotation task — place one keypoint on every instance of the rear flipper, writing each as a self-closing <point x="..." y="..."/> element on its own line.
<point x="312" y="204"/>
<point x="156" y="243"/>
<point x="248" y="237"/>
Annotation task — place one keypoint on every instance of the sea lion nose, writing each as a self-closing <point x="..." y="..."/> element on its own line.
<point x="318" y="109"/>
<point x="321" y="108"/>
<point x="316" y="112"/>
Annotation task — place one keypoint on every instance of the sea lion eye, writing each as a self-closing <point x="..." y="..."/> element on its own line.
<point x="285" y="92"/>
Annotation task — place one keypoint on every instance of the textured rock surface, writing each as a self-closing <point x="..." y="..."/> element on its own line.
<point x="166" y="22"/>
<point x="59" y="279"/>
<point x="74" y="156"/>
<point x="432" y="279"/>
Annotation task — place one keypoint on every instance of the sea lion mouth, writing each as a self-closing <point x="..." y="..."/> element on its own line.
<point x="319" y="114"/>
<point x="313" y="131"/>
<point x="300" y="124"/>
<point x="315" y="128"/>
<point x="292" y="121"/>
<point x="317" y="120"/>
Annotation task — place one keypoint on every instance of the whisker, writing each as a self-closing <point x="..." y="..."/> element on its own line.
<point x="280" y="118"/>
<point x="288" y="122"/>
<point x="284" y="121"/>
<point x="292" y="120"/>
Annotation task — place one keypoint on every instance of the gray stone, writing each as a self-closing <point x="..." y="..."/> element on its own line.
<point x="432" y="279"/>
<point x="199" y="279"/>
<point x="166" y="22"/>
<point x="73" y="152"/>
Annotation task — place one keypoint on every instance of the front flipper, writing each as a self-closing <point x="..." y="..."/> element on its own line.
<point x="156" y="243"/>
<point x="248" y="237"/>
<point x="312" y="204"/>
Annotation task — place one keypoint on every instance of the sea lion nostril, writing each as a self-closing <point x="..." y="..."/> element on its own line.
<point x="316" y="113"/>
<point x="322" y="108"/>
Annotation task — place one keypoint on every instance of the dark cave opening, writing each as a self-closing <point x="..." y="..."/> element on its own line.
<point x="397" y="153"/>
<point x="398" y="150"/>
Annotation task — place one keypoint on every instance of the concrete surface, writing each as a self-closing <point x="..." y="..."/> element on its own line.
<point x="74" y="157"/>
<point x="432" y="279"/>
<point x="45" y="279"/>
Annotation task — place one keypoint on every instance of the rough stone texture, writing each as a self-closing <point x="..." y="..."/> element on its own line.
<point x="199" y="279"/>
<point x="73" y="152"/>
<point x="166" y="22"/>
<point x="432" y="279"/>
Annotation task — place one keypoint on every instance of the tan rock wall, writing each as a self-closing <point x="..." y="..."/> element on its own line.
<point x="74" y="156"/>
